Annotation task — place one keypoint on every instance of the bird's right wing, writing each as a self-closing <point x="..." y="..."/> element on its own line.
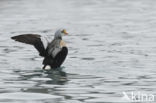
<point x="34" y="39"/>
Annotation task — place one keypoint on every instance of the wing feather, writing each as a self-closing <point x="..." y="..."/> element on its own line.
<point x="32" y="39"/>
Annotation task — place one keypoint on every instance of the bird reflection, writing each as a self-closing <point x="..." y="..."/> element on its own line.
<point x="57" y="76"/>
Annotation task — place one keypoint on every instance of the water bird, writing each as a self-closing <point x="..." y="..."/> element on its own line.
<point x="54" y="52"/>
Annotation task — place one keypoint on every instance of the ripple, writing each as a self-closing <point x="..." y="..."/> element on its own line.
<point x="7" y="50"/>
<point x="144" y="77"/>
<point x="85" y="39"/>
<point x="82" y="35"/>
<point x="130" y="83"/>
<point x="27" y="96"/>
<point x="46" y="31"/>
<point x="73" y="57"/>
<point x="88" y="58"/>
<point x="18" y="47"/>
<point x="97" y="45"/>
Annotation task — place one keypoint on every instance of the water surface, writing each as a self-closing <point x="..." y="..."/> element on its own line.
<point x="111" y="45"/>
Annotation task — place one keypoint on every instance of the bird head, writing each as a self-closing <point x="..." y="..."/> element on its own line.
<point x="59" y="33"/>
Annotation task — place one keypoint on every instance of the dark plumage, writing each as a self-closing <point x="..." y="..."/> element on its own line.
<point x="54" y="52"/>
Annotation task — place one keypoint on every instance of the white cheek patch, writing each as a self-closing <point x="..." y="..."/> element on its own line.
<point x="44" y="41"/>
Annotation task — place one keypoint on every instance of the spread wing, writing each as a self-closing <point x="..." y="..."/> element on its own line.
<point x="35" y="40"/>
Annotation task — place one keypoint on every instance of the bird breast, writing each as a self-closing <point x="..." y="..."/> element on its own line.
<point x="62" y="44"/>
<point x="55" y="47"/>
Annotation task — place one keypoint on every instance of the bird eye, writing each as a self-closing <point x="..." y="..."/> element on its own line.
<point x="62" y="31"/>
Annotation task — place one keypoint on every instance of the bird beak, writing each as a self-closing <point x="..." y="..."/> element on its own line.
<point x="64" y="31"/>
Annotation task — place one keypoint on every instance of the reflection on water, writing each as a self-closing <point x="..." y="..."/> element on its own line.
<point x="111" y="50"/>
<point x="58" y="76"/>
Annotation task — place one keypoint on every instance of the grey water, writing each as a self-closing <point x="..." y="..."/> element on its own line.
<point x="112" y="50"/>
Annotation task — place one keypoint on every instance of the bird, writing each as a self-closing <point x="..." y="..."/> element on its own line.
<point x="54" y="52"/>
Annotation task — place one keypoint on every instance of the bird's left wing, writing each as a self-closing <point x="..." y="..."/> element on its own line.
<point x="34" y="39"/>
